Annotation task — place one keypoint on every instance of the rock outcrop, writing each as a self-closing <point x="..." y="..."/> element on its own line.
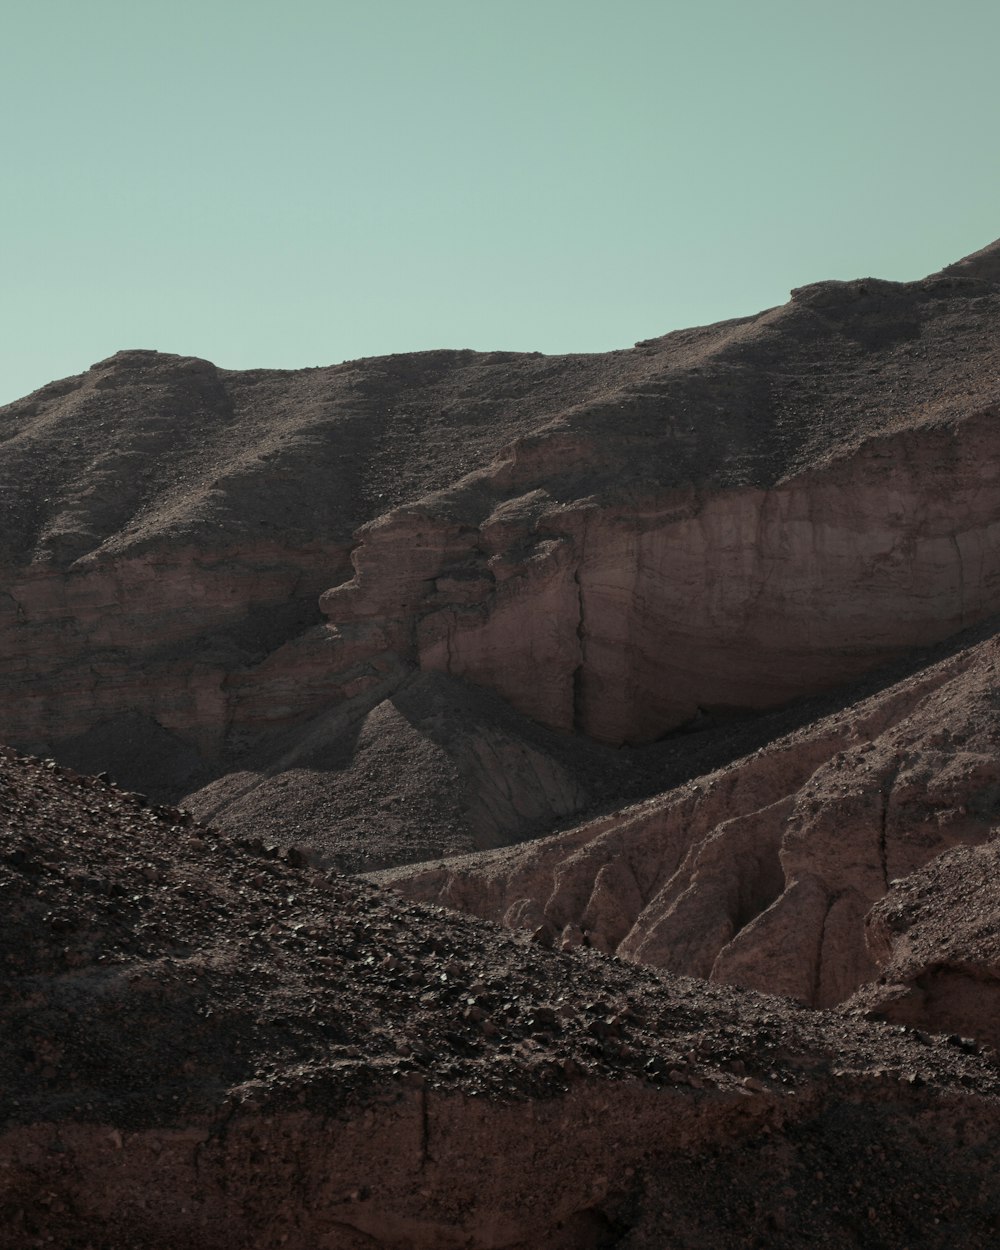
<point x="727" y="517"/>
<point x="762" y="873"/>
<point x="799" y="506"/>
<point x="935" y="938"/>
<point x="169" y="526"/>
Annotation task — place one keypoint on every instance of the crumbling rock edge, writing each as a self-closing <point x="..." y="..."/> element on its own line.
<point x="203" y="1045"/>
<point x="763" y="873"/>
<point x="599" y="1166"/>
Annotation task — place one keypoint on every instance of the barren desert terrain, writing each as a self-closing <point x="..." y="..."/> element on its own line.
<point x="502" y="801"/>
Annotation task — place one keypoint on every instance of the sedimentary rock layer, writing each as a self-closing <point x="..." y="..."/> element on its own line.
<point x="761" y="874"/>
<point x="726" y="517"/>
<point x="620" y="622"/>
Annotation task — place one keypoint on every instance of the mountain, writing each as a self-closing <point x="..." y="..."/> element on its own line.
<point x="764" y="873"/>
<point x="496" y="800"/>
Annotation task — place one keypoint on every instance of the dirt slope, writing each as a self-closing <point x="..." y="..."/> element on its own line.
<point x="618" y="545"/>
<point x="762" y="873"/>
<point x="440" y="767"/>
<point x="204" y="1047"/>
<point x="936" y="940"/>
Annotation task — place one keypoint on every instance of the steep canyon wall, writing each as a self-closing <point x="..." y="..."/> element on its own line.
<point x="621" y="621"/>
<point x="762" y="874"/>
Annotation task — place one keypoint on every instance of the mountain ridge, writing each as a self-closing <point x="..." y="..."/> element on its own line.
<point x="427" y="771"/>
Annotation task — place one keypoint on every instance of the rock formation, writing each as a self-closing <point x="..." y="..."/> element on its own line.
<point x="935" y="938"/>
<point x="168" y="528"/>
<point x="674" y="669"/>
<point x="762" y="873"/>
<point x="725" y="517"/>
<point x="791" y="502"/>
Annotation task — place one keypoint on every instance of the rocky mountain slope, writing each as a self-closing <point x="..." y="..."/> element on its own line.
<point x="206" y="1046"/>
<point x="673" y="669"/>
<point x="763" y="873"/>
<point x="936" y="940"/>
<point x="728" y="517"/>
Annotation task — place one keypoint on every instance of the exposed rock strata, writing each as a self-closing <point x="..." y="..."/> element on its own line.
<point x="761" y="874"/>
<point x="210" y="1041"/>
<point x="621" y="621"/>
<point x="731" y="515"/>
<point x="169" y="526"/>
<point x="809" y="501"/>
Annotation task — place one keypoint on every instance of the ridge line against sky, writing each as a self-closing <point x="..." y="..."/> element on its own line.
<point x="301" y="184"/>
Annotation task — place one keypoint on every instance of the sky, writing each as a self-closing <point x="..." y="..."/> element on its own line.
<point x="311" y="181"/>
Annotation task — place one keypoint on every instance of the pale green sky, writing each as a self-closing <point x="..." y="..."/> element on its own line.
<point x="305" y="182"/>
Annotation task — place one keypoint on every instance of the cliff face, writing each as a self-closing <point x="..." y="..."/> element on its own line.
<point x="205" y="1046"/>
<point x="168" y="528"/>
<point x="724" y="518"/>
<point x="762" y="874"/>
<point x="621" y="621"/>
<point x="162" y="634"/>
<point x="810" y="498"/>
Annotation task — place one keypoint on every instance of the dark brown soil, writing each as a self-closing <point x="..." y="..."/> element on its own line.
<point x="158" y="974"/>
<point x="124" y="921"/>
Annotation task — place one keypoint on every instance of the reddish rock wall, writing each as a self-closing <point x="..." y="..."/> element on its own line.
<point x="169" y="635"/>
<point x="762" y="873"/>
<point x="726" y="516"/>
<point x="620" y="621"/>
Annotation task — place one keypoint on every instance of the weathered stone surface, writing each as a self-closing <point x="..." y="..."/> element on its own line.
<point x="727" y="516"/>
<point x="935" y="937"/>
<point x="167" y="528"/>
<point x="205" y="1046"/>
<point x="621" y="621"/>
<point x="762" y="874"/>
<point x="208" y="1040"/>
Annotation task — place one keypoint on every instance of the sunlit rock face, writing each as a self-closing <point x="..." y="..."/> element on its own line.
<point x="763" y="874"/>
<point x="620" y="623"/>
<point x="764" y="509"/>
